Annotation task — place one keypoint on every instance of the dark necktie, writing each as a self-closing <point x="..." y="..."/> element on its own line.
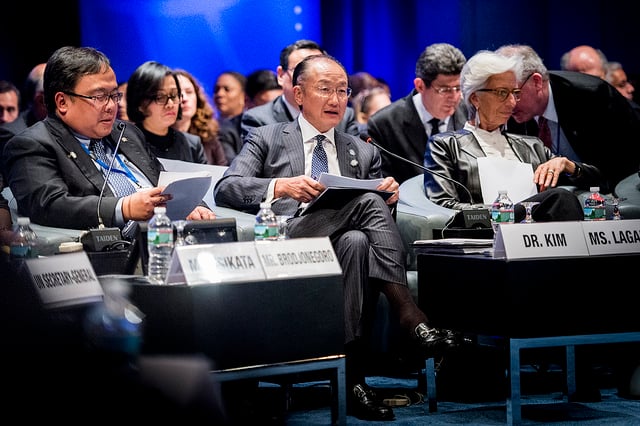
<point x="117" y="180"/>
<point x="435" y="126"/>
<point x="544" y="133"/>
<point x="319" y="162"/>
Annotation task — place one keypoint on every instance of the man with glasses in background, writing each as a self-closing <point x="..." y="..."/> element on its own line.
<point x="56" y="169"/>
<point x="433" y="106"/>
<point x="284" y="108"/>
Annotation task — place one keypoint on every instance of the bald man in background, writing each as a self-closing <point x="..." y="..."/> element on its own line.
<point x="585" y="59"/>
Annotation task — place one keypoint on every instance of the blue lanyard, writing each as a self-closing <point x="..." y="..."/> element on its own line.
<point x="125" y="170"/>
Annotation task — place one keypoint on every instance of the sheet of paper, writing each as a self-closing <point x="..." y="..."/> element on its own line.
<point x="327" y="179"/>
<point x="514" y="176"/>
<point x="187" y="188"/>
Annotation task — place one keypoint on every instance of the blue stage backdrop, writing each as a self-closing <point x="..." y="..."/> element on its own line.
<point x="205" y="37"/>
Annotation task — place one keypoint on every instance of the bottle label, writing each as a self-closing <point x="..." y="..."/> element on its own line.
<point x="160" y="237"/>
<point x="594" y="213"/>
<point x="265" y="232"/>
<point x="502" y="216"/>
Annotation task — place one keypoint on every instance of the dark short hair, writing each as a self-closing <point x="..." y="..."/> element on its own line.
<point x="261" y="80"/>
<point x="144" y="84"/>
<point x="439" y="58"/>
<point x="298" y="45"/>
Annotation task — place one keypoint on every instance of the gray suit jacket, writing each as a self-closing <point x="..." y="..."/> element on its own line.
<point x="56" y="183"/>
<point x="455" y="156"/>
<point x="276" y="111"/>
<point x="398" y="128"/>
<point x="277" y="150"/>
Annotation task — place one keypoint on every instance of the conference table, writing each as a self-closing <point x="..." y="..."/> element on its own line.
<point x="529" y="303"/>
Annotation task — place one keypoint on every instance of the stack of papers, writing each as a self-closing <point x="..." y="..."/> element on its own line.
<point x="482" y="246"/>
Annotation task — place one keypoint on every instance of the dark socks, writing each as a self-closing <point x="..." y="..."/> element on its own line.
<point x="403" y="305"/>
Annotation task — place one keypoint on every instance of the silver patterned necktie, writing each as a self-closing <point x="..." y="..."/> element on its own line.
<point x="319" y="161"/>
<point x="118" y="182"/>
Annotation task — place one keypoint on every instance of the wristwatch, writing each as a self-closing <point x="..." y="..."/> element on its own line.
<point x="577" y="171"/>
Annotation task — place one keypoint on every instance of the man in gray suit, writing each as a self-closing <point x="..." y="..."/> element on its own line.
<point x="275" y="165"/>
<point x="283" y="108"/>
<point x="52" y="172"/>
<point x="405" y="126"/>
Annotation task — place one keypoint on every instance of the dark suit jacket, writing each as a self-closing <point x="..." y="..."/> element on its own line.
<point x="229" y="137"/>
<point x="398" y="128"/>
<point x="56" y="183"/>
<point x="185" y="147"/>
<point x="276" y="111"/>
<point x="455" y="156"/>
<point x="277" y="150"/>
<point x="599" y="123"/>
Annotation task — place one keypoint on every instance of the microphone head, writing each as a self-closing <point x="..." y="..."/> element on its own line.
<point x="365" y="137"/>
<point x="121" y="125"/>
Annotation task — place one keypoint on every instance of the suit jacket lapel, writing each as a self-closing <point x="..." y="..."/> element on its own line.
<point x="293" y="147"/>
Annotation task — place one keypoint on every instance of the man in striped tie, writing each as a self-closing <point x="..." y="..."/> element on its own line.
<point x="279" y="163"/>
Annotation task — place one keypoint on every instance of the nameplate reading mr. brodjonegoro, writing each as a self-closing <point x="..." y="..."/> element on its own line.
<point x="298" y="257"/>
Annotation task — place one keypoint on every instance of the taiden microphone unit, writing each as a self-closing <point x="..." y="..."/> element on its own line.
<point x="472" y="217"/>
<point x="98" y="239"/>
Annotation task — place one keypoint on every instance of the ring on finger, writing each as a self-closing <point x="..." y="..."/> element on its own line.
<point x="551" y="172"/>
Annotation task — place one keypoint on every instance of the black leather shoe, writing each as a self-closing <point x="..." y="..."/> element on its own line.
<point x="363" y="404"/>
<point x="436" y="339"/>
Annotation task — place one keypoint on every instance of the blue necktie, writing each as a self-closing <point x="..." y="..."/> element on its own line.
<point x="118" y="182"/>
<point x="319" y="162"/>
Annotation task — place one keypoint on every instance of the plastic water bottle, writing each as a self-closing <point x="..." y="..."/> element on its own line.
<point x="114" y="327"/>
<point x="595" y="206"/>
<point x="24" y="243"/>
<point x="266" y="227"/>
<point x="159" y="245"/>
<point x="502" y="210"/>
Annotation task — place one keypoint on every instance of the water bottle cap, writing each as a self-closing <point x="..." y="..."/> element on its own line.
<point x="24" y="221"/>
<point x="594" y="189"/>
<point x="265" y="205"/>
<point x="159" y="209"/>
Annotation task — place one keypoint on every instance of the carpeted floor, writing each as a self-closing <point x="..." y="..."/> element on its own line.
<point x="482" y="403"/>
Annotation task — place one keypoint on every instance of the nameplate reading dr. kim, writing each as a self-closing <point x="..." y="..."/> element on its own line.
<point x="542" y="239"/>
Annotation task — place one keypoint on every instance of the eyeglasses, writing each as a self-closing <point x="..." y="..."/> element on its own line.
<point x="164" y="99"/>
<point x="326" y="92"/>
<point x="100" y="100"/>
<point x="446" y="90"/>
<point x="503" y="93"/>
<point x="526" y="79"/>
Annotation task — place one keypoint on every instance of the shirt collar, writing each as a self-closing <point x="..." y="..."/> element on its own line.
<point x="309" y="132"/>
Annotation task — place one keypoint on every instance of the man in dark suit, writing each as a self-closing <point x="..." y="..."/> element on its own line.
<point x="405" y="126"/>
<point x="276" y="164"/>
<point x="283" y="108"/>
<point x="589" y="120"/>
<point x="50" y="168"/>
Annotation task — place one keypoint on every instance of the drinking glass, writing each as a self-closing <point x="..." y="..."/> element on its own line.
<point x="282" y="227"/>
<point x="179" y="224"/>
<point x="528" y="205"/>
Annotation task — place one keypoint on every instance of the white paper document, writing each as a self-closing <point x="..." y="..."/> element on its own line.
<point x="328" y="180"/>
<point x="498" y="173"/>
<point x="187" y="188"/>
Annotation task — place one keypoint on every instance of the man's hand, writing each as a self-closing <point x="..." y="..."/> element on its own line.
<point x="390" y="184"/>
<point x="140" y="205"/>
<point x="201" y="213"/>
<point x="301" y="188"/>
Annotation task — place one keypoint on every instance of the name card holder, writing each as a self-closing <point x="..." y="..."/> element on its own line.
<point x="215" y="263"/>
<point x="298" y="257"/>
<point x="538" y="240"/>
<point x="64" y="280"/>
<point x="612" y="236"/>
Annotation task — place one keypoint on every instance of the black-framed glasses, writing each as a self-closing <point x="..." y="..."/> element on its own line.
<point x="446" y="90"/>
<point x="503" y="93"/>
<point x="163" y="99"/>
<point x="526" y="79"/>
<point x="99" y="100"/>
<point x="326" y="92"/>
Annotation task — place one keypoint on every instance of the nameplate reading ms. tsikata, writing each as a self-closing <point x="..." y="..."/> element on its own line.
<point x="65" y="280"/>
<point x="542" y="239"/>
<point x="612" y="236"/>
<point x="215" y="263"/>
<point x="298" y="257"/>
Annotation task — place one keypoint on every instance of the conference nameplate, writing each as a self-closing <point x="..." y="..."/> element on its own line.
<point x="538" y="240"/>
<point x="612" y="236"/>
<point x="65" y="280"/>
<point x="215" y="263"/>
<point x="298" y="257"/>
